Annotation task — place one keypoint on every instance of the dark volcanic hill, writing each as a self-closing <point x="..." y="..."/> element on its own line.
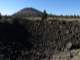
<point x="28" y="12"/>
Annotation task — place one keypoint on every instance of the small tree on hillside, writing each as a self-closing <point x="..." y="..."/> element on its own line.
<point x="0" y="16"/>
<point x="44" y="16"/>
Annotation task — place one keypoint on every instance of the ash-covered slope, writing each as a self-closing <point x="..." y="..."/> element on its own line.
<point x="28" y="12"/>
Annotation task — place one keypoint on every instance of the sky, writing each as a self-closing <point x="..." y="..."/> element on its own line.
<point x="58" y="7"/>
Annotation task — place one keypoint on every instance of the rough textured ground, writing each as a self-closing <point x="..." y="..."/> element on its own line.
<point x="39" y="40"/>
<point x="67" y="55"/>
<point x="52" y="36"/>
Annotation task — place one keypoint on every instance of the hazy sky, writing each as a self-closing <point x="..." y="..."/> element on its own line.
<point x="51" y="6"/>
